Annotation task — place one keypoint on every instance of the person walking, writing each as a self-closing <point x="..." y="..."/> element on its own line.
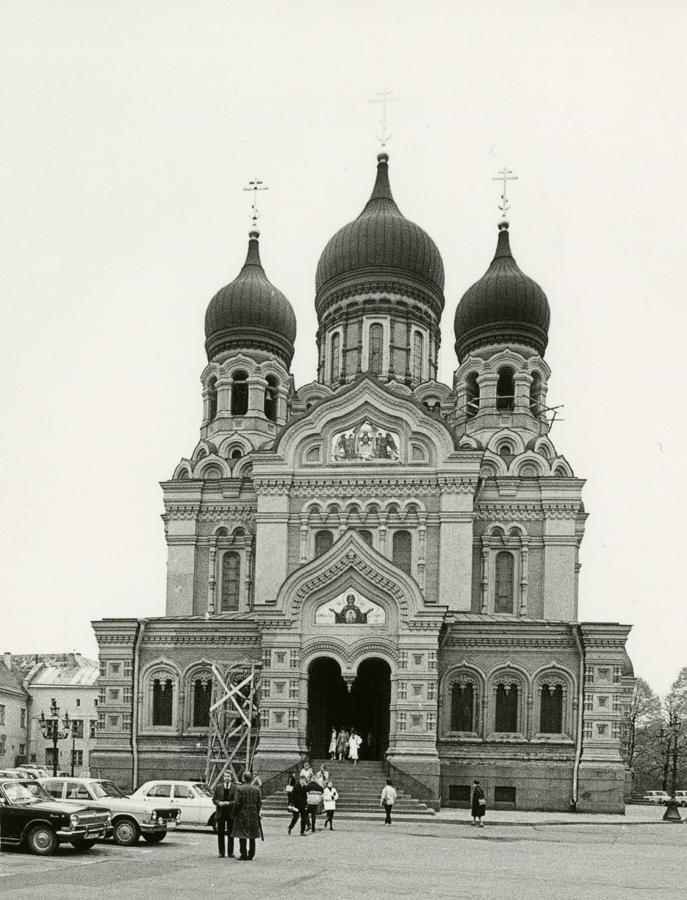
<point x="342" y="743"/>
<point x="299" y="806"/>
<point x="332" y="744"/>
<point x="322" y="776"/>
<point x="306" y="771"/>
<point x="388" y="799"/>
<point x="330" y="796"/>
<point x="479" y="805"/>
<point x="354" y="743"/>
<point x="223" y="798"/>
<point x="314" y="791"/>
<point x="247" y="828"/>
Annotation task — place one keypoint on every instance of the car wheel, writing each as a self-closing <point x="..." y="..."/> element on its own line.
<point x="83" y="844"/>
<point x="42" y="840"/>
<point x="155" y="838"/>
<point x="125" y="832"/>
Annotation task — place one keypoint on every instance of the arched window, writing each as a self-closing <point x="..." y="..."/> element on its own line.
<point x="365" y="535"/>
<point x="212" y="398"/>
<point x="462" y="707"/>
<point x="551" y="709"/>
<point x="202" y="697"/>
<point x="505" y="389"/>
<point x="506" y="708"/>
<point x="418" y="348"/>
<point x="163" y="700"/>
<point x="402" y="550"/>
<point x="536" y="394"/>
<point x="323" y="542"/>
<point x="239" y="394"/>
<point x="472" y="395"/>
<point x="503" y="595"/>
<point x="335" y="358"/>
<point x="376" y="352"/>
<point x="236" y="453"/>
<point x="271" y="398"/>
<point x="231" y="570"/>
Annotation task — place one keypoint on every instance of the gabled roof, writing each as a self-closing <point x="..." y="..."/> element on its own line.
<point x="11" y="681"/>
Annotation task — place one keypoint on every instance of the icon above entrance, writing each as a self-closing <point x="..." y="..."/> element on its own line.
<point x="350" y="608"/>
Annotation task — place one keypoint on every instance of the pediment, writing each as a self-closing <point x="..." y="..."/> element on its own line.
<point x="365" y="425"/>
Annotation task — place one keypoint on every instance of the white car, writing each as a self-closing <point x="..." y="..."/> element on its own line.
<point x="660" y="797"/>
<point x="193" y="798"/>
<point x="130" y="818"/>
<point x="681" y="797"/>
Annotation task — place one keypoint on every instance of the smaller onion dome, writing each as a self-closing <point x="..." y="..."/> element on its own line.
<point x="505" y="306"/>
<point x="250" y="313"/>
<point x="380" y="249"/>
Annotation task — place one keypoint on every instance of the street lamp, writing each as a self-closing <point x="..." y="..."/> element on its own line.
<point x="672" y="813"/>
<point x="52" y="732"/>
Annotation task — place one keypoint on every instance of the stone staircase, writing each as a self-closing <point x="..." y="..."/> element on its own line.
<point x="359" y="787"/>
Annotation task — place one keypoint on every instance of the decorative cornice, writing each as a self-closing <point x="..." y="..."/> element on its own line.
<point x="500" y="641"/>
<point x="182" y="511"/>
<point x="265" y="485"/>
<point x="244" y="514"/>
<point x="381" y="485"/>
<point x="203" y="639"/>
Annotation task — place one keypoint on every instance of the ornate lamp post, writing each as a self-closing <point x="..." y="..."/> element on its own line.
<point x="52" y="731"/>
<point x="672" y="813"/>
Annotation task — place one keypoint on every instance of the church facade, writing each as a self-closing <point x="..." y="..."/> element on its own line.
<point x="395" y="554"/>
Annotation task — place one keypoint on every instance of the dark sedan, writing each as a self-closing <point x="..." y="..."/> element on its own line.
<point x="30" y="817"/>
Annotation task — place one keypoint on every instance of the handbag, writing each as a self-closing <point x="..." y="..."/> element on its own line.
<point x="482" y="801"/>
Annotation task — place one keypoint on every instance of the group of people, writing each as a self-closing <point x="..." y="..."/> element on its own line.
<point x="345" y="744"/>
<point x="238" y="815"/>
<point x="306" y="795"/>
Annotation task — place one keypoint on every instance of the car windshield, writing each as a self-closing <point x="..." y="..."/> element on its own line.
<point x="25" y="792"/>
<point x="106" y="789"/>
<point x="203" y="789"/>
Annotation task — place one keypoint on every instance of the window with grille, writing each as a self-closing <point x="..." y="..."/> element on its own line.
<point x="202" y="698"/>
<point x="462" y="707"/>
<point x="231" y="571"/>
<point x="459" y="793"/>
<point x="402" y="550"/>
<point x="335" y="363"/>
<point x="504" y="583"/>
<point x="503" y="794"/>
<point x="376" y="354"/>
<point x="551" y="710"/>
<point x="506" y="708"/>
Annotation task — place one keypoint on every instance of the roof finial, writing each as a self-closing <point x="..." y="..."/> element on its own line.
<point x="255" y="186"/>
<point x="384" y="97"/>
<point x="505" y="175"/>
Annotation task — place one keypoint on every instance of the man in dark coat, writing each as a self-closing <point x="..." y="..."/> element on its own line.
<point x="247" y="805"/>
<point x="298" y="803"/>
<point x="223" y="798"/>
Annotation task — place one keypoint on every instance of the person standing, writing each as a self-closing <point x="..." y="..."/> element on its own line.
<point x="332" y="744"/>
<point x="247" y="804"/>
<point x="299" y="806"/>
<point x="479" y="805"/>
<point x="314" y="792"/>
<point x="342" y="743"/>
<point x="223" y="798"/>
<point x="306" y="771"/>
<point x="322" y="776"/>
<point x="354" y="743"/>
<point x="330" y="796"/>
<point x="388" y="799"/>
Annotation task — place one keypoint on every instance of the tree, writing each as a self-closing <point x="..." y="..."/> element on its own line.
<point x="643" y="715"/>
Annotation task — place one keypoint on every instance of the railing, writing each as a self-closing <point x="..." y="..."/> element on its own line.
<point x="411" y="785"/>
<point x="279" y="781"/>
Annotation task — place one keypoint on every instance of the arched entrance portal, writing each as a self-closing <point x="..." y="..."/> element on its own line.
<point x="365" y="707"/>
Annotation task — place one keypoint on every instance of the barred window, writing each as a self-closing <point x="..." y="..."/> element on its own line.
<point x="231" y="571"/>
<point x="462" y="707"/>
<point x="376" y="360"/>
<point x="202" y="698"/>
<point x="551" y="709"/>
<point x="504" y="582"/>
<point x="506" y="708"/>
<point x="163" y="701"/>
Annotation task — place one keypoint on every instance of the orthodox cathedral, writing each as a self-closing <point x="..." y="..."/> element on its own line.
<point x="391" y="553"/>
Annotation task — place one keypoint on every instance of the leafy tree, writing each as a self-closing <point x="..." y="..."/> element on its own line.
<point x="644" y="713"/>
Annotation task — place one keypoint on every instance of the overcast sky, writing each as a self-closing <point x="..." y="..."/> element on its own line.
<point x="130" y="130"/>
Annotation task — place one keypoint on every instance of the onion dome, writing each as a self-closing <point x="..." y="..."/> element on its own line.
<point x="505" y="306"/>
<point x="250" y="313"/>
<point x="381" y="250"/>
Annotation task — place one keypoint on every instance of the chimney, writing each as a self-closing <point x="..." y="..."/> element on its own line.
<point x="8" y="661"/>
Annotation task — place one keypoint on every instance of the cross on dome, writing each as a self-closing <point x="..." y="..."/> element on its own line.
<point x="255" y="186"/>
<point x="384" y="97"/>
<point x="505" y="175"/>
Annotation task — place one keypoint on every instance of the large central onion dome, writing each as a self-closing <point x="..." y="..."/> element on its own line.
<point x="250" y="313"/>
<point x="380" y="251"/>
<point x="505" y="306"/>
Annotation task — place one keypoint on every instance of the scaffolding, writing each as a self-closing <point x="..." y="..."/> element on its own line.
<point x="234" y="721"/>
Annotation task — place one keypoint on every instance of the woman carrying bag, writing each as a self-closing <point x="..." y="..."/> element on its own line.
<point x="330" y="796"/>
<point x="479" y="805"/>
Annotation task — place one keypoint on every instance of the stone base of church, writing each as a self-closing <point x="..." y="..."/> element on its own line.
<point x="601" y="787"/>
<point x="417" y="775"/>
<point x="153" y="765"/>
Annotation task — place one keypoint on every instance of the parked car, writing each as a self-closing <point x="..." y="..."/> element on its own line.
<point x="681" y="797"/>
<point x="10" y="773"/>
<point x="30" y="817"/>
<point x="660" y="797"/>
<point x="193" y="798"/>
<point x="130" y="818"/>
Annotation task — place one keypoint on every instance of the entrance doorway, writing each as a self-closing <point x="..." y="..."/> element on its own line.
<point x="365" y="707"/>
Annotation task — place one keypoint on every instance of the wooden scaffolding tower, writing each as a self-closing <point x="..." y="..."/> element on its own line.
<point x="234" y="721"/>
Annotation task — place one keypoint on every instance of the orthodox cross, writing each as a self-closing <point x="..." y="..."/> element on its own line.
<point x="255" y="186"/>
<point x="505" y="175"/>
<point x="384" y="97"/>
